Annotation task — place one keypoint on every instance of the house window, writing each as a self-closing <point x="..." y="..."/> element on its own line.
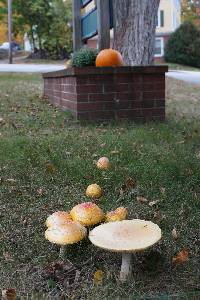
<point x="159" y="47"/>
<point x="160" y="22"/>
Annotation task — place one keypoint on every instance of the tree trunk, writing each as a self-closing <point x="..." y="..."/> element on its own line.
<point x="134" y="30"/>
<point x="33" y="39"/>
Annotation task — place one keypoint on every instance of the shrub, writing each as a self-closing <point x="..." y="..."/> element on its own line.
<point x="84" y="58"/>
<point x="183" y="46"/>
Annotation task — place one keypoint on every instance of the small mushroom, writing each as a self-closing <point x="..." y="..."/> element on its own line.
<point x="87" y="214"/>
<point x="103" y="163"/>
<point x="127" y="237"/>
<point x="94" y="191"/>
<point x="119" y="214"/>
<point x="69" y="233"/>
<point x="58" y="218"/>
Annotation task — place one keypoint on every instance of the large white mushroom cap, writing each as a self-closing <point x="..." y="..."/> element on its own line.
<point x="126" y="236"/>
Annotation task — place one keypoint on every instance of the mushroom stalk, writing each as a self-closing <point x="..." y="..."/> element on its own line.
<point x="62" y="252"/>
<point x="126" y="268"/>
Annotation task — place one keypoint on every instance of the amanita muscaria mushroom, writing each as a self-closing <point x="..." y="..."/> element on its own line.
<point x="119" y="214"/>
<point x="87" y="214"/>
<point x="94" y="191"/>
<point x="58" y="218"/>
<point x="103" y="163"/>
<point x="127" y="237"/>
<point x="69" y="233"/>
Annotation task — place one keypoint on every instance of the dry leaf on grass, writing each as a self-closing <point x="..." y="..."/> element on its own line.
<point x="103" y="145"/>
<point x="63" y="272"/>
<point x="98" y="276"/>
<point x="9" y="294"/>
<point x="198" y="155"/>
<point x="40" y="192"/>
<point x="141" y="199"/>
<point x="7" y="256"/>
<point x="67" y="153"/>
<point x="130" y="183"/>
<point x="50" y="168"/>
<point x="159" y="216"/>
<point x="11" y="180"/>
<point x="181" y="257"/>
<point x="152" y="203"/>
<point x="2" y="121"/>
<point x="174" y="234"/>
<point x="162" y="190"/>
<point x="114" y="152"/>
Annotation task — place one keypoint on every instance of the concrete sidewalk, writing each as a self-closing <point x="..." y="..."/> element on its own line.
<point x="192" y="77"/>
<point x="30" y="68"/>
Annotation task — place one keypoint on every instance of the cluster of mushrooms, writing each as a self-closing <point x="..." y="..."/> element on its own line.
<point x="116" y="234"/>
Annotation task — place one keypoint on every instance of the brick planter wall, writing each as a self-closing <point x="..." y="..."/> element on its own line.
<point x="134" y="93"/>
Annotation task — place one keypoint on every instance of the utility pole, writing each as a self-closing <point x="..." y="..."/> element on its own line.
<point x="10" y="29"/>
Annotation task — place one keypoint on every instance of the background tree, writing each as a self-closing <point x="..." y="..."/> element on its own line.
<point x="48" y="24"/>
<point x="134" y="30"/>
<point x="191" y="11"/>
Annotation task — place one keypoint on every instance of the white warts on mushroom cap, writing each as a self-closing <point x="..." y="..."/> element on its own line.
<point x="127" y="237"/>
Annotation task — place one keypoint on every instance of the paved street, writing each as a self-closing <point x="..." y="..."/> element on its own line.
<point x="188" y="76"/>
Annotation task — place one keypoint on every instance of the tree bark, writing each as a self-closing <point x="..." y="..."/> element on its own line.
<point x="33" y="39"/>
<point x="134" y="30"/>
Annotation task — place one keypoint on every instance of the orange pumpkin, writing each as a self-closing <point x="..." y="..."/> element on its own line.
<point x="109" y="58"/>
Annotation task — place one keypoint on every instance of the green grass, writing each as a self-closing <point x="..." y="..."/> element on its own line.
<point x="42" y="147"/>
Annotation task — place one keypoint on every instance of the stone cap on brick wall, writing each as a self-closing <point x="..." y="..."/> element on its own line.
<point x="107" y="70"/>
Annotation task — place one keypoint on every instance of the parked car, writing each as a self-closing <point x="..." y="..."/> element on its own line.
<point x="15" y="46"/>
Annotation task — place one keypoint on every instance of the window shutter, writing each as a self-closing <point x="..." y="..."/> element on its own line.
<point x="162" y="18"/>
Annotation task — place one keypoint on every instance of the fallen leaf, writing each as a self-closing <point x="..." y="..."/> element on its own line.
<point x="129" y="183"/>
<point x="25" y="222"/>
<point x="50" y="168"/>
<point x="2" y="121"/>
<point x="68" y="153"/>
<point x="181" y="257"/>
<point x="152" y="203"/>
<point x="103" y="145"/>
<point x="162" y="190"/>
<point x="198" y="155"/>
<point x="40" y="192"/>
<point x="11" y="180"/>
<point x="62" y="272"/>
<point x="7" y="256"/>
<point x="114" y="152"/>
<point x="174" y="234"/>
<point x="9" y="294"/>
<point x="159" y="216"/>
<point x="98" y="276"/>
<point x="141" y="199"/>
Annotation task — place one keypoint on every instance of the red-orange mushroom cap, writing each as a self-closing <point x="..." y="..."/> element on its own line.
<point x="87" y="214"/>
